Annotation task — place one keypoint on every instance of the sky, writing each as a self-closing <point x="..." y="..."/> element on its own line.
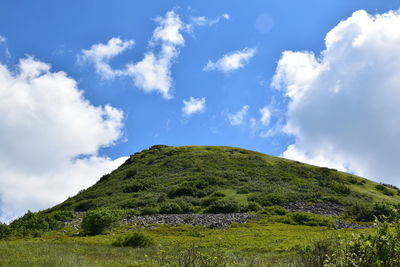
<point x="84" y="84"/>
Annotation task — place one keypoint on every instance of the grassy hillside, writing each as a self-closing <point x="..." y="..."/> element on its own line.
<point x="204" y="179"/>
<point x="221" y="179"/>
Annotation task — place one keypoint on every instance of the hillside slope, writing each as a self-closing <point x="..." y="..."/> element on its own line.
<point x="221" y="179"/>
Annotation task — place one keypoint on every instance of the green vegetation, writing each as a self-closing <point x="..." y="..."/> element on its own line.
<point x="135" y="240"/>
<point x="264" y="242"/>
<point x="200" y="179"/>
<point x="306" y="218"/>
<point x="222" y="179"/>
<point x="34" y="224"/>
<point x="95" y="222"/>
<point x="380" y="248"/>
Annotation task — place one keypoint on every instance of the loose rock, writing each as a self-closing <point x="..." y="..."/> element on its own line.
<point x="207" y="220"/>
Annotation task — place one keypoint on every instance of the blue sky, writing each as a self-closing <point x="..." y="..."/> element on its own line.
<point x="261" y="99"/>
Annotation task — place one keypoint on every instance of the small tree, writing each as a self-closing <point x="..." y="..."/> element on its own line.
<point x="95" y="222"/>
<point x="5" y="231"/>
<point x="380" y="248"/>
<point x="136" y="240"/>
<point x="224" y="206"/>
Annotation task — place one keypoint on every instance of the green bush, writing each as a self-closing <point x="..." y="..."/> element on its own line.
<point x="131" y="174"/>
<point x="5" y="231"/>
<point x="149" y="211"/>
<point x="307" y="218"/>
<point x="31" y="224"/>
<point x="369" y="213"/>
<point x="385" y="190"/>
<point x="170" y="208"/>
<point x="224" y="206"/>
<point x="34" y="224"/>
<point x="339" y="188"/>
<point x="135" y="240"/>
<point x="137" y="186"/>
<point x="314" y="254"/>
<point x="185" y="189"/>
<point x="274" y="210"/>
<point x="95" y="222"/>
<point x="253" y="206"/>
<point x="380" y="248"/>
<point x="269" y="199"/>
<point x="185" y="205"/>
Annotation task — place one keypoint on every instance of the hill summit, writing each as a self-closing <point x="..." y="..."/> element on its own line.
<point x="218" y="179"/>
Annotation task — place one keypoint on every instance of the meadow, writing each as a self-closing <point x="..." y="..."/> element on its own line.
<point x="262" y="242"/>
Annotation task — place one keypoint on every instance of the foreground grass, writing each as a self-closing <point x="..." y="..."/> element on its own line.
<point x="259" y="243"/>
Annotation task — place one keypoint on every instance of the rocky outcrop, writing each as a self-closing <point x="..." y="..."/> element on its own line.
<point x="331" y="209"/>
<point x="339" y="224"/>
<point x="207" y="220"/>
<point x="155" y="147"/>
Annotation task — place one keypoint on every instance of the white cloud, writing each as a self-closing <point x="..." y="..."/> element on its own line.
<point x="101" y="54"/>
<point x="46" y="127"/>
<point x="153" y="72"/>
<point x="265" y="116"/>
<point x="193" y="105"/>
<point x="203" y="21"/>
<point x="231" y="61"/>
<point x="169" y="30"/>
<point x="2" y="39"/>
<point x="236" y="119"/>
<point x="344" y="105"/>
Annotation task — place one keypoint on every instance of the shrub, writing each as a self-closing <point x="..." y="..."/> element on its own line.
<point x="253" y="206"/>
<point x="62" y="215"/>
<point x="368" y="213"/>
<point x="135" y="240"/>
<point x="384" y="190"/>
<point x="315" y="254"/>
<point x="380" y="248"/>
<point x="170" y="208"/>
<point x="269" y="199"/>
<point x="5" y="231"/>
<point x="243" y="190"/>
<point x="104" y="178"/>
<point x="136" y="187"/>
<point x="224" y="206"/>
<point x="85" y="205"/>
<point x="274" y="210"/>
<point x="149" y="211"/>
<point x="339" y="188"/>
<point x="360" y="212"/>
<point x="31" y="224"/>
<point x="186" y="206"/>
<point x="307" y="218"/>
<point x="95" y="222"/>
<point x="383" y="211"/>
<point x="130" y="174"/>
<point x="185" y="189"/>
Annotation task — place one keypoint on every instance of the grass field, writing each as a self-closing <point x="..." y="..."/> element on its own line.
<point x="258" y="243"/>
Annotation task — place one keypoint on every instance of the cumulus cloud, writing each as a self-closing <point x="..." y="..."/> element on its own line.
<point x="344" y="104"/>
<point x="49" y="138"/>
<point x="236" y="119"/>
<point x="2" y="39"/>
<point x="193" y="105"/>
<point x="232" y="61"/>
<point x="153" y="72"/>
<point x="101" y="54"/>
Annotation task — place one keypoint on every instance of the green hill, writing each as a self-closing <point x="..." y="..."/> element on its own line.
<point x="207" y="179"/>
<point x="220" y="179"/>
